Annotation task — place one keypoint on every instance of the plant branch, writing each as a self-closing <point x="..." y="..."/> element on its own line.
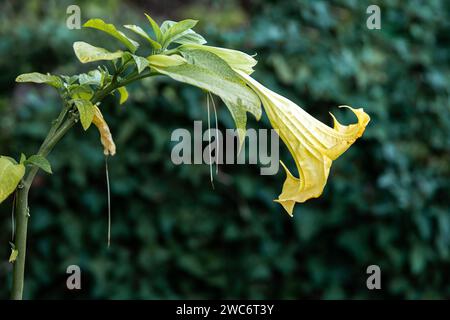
<point x="64" y="122"/>
<point x="57" y="131"/>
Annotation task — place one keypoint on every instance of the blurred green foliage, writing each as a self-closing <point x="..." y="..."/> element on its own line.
<point x="173" y="236"/>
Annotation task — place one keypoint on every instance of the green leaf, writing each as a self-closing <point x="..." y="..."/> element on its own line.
<point x="86" y="110"/>
<point x="190" y="37"/>
<point x="10" y="176"/>
<point x="174" y="30"/>
<point x="88" y="53"/>
<point x="10" y="159"/>
<point x="155" y="27"/>
<point x="106" y="77"/>
<point x="236" y="59"/>
<point x="37" y="77"/>
<point x="94" y="77"/>
<point x="110" y="29"/>
<point x="23" y="158"/>
<point x="140" y="62"/>
<point x="239" y="115"/>
<point x="123" y="94"/>
<point x="70" y="80"/>
<point x="81" y="92"/>
<point x="207" y="71"/>
<point x="40" y="162"/>
<point x="163" y="61"/>
<point x="138" y="30"/>
<point x="186" y="37"/>
<point x="166" y="25"/>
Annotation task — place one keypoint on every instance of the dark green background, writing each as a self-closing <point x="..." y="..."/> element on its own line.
<point x="386" y="201"/>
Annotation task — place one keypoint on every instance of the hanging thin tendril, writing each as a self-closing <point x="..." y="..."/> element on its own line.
<point x="13" y="227"/>
<point x="209" y="147"/>
<point x="109" y="201"/>
<point x="217" y="133"/>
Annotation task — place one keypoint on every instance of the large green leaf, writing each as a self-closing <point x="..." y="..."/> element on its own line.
<point x="37" y="77"/>
<point x="207" y="71"/>
<point x="86" y="110"/>
<point x="174" y="30"/>
<point x="110" y="29"/>
<point x="10" y="176"/>
<point x="88" y="53"/>
<point x="236" y="59"/>
<point x="138" y="30"/>
<point x="244" y="97"/>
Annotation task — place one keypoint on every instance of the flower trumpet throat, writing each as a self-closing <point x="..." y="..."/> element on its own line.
<point x="313" y="144"/>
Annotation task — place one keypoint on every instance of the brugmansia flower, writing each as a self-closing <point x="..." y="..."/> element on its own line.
<point x="220" y="71"/>
<point x="313" y="144"/>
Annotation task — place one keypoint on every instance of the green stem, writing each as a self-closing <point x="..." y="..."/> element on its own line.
<point x="60" y="127"/>
<point x="114" y="85"/>
<point x="136" y="78"/>
<point x="20" y="242"/>
<point x="22" y="214"/>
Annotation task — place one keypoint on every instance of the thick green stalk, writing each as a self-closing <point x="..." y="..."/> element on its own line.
<point x="22" y="210"/>
<point x="20" y="242"/>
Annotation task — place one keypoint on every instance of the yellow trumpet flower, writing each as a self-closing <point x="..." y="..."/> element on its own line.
<point x="313" y="144"/>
